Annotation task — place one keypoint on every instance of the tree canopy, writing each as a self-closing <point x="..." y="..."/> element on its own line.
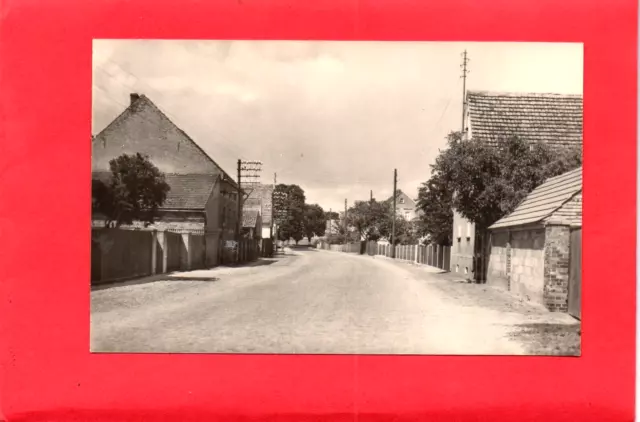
<point x="134" y="192"/>
<point x="485" y="182"/>
<point x="314" y="222"/>
<point x="289" y="208"/>
<point x="368" y="218"/>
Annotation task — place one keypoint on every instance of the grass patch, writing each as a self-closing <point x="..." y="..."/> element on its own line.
<point x="549" y="339"/>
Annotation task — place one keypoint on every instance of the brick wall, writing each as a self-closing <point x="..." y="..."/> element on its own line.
<point x="556" y="269"/>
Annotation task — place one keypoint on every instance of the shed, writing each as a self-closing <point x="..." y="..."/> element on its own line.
<point x="252" y="223"/>
<point x="532" y="248"/>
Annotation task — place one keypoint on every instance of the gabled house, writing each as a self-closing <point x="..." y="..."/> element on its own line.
<point x="405" y="205"/>
<point x="536" y="250"/>
<point x="259" y="199"/>
<point x="202" y="196"/>
<point x="251" y="224"/>
<point x="552" y="119"/>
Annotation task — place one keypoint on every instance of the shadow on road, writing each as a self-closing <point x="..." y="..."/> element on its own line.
<point x="178" y="276"/>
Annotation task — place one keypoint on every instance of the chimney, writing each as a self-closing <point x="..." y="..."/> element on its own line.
<point x="134" y="97"/>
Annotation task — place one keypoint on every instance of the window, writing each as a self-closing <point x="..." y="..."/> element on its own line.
<point x="468" y="230"/>
<point x="406" y="214"/>
<point x="402" y="200"/>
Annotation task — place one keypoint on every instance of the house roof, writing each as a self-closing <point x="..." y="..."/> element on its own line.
<point x="553" y="119"/>
<point x="250" y="218"/>
<point x="187" y="191"/>
<point x="157" y="146"/>
<point x="544" y="200"/>
<point x="401" y="194"/>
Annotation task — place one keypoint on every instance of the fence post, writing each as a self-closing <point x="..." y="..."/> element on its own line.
<point x="154" y="251"/>
<point x="163" y="242"/>
<point x="186" y="240"/>
<point x="438" y="256"/>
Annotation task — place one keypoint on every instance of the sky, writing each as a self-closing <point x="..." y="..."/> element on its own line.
<point x="335" y="118"/>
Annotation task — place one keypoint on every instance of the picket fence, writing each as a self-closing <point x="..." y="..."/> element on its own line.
<point x="432" y="255"/>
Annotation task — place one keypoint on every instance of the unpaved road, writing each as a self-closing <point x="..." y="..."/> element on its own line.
<point x="314" y="302"/>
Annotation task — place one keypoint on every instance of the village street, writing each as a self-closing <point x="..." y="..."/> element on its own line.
<point x="306" y="302"/>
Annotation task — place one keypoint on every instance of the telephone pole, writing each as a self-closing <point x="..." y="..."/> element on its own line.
<point x="371" y="196"/>
<point x="393" y="215"/>
<point x="465" y="60"/>
<point x="249" y="170"/>
<point x="345" y="222"/>
<point x="274" y="226"/>
<point x="239" y="201"/>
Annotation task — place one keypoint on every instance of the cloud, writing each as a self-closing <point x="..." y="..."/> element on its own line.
<point x="333" y="117"/>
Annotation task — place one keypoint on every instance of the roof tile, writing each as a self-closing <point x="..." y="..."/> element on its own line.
<point x="553" y="119"/>
<point x="187" y="191"/>
<point x="545" y="200"/>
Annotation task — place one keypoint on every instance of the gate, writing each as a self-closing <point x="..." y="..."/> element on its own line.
<point x="575" y="274"/>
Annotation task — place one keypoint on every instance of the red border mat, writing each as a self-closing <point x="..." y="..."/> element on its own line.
<point x="47" y="372"/>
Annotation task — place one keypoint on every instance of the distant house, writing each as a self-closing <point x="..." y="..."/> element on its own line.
<point x="202" y="196"/>
<point x="260" y="199"/>
<point x="252" y="224"/>
<point x="536" y="250"/>
<point x="405" y="206"/>
<point x="552" y="119"/>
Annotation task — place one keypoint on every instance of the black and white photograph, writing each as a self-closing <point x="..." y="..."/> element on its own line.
<point x="334" y="197"/>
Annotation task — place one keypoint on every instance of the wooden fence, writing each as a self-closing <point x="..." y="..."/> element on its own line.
<point x="120" y="254"/>
<point x="246" y="250"/>
<point x="432" y="255"/>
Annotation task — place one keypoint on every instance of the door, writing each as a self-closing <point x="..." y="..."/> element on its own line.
<point x="575" y="274"/>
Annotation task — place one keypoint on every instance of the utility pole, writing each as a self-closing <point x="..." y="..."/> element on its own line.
<point x="393" y="215"/>
<point x="345" y="223"/>
<point x="274" y="226"/>
<point x="239" y="201"/>
<point x="249" y="170"/>
<point x="371" y="196"/>
<point x="465" y="60"/>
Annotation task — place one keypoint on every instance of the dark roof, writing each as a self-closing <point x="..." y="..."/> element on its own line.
<point x="544" y="200"/>
<point x="250" y="218"/>
<point x="187" y="191"/>
<point x="553" y="119"/>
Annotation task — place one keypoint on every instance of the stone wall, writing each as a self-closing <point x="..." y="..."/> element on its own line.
<point x="516" y="262"/>
<point x="497" y="270"/>
<point x="527" y="264"/>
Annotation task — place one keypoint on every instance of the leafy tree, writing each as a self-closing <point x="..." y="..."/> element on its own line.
<point x="368" y="218"/>
<point x="332" y="215"/>
<point x="134" y="192"/>
<point x="406" y="233"/>
<point x="485" y="182"/>
<point x="314" y="222"/>
<point x="342" y="233"/>
<point x="436" y="219"/>
<point x="288" y="207"/>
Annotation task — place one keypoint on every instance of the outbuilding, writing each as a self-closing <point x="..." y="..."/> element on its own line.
<point x="536" y="250"/>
